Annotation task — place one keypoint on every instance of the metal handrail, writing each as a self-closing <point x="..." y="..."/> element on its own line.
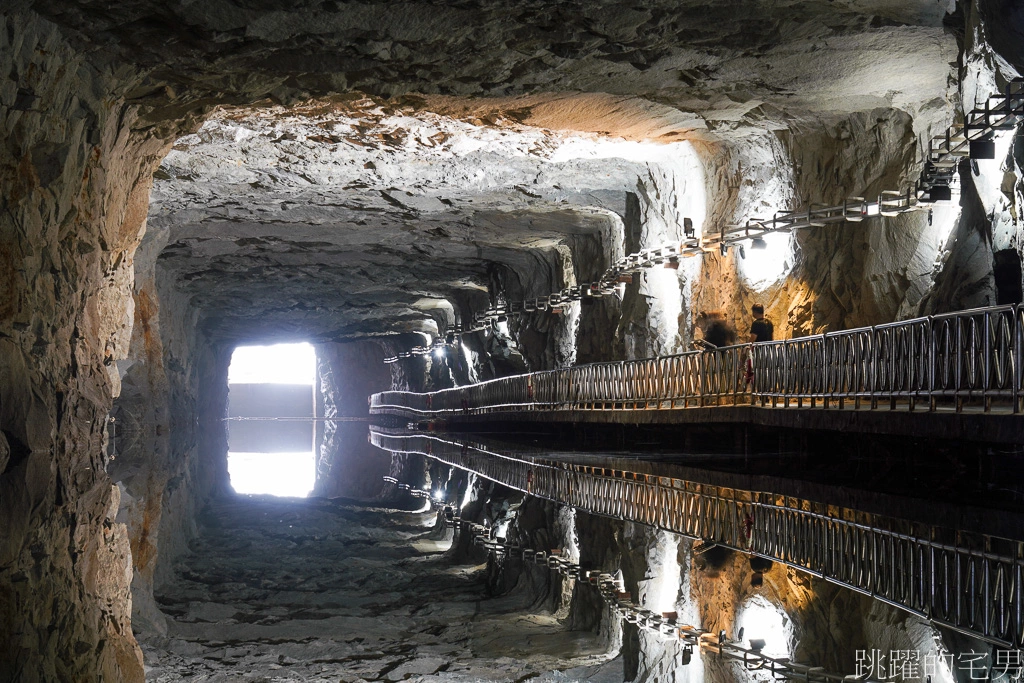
<point x="973" y="583"/>
<point x="1002" y="111"/>
<point x="953" y="359"/>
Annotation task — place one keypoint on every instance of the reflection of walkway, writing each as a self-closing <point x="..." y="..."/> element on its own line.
<point x="968" y="582"/>
<point x="963" y="370"/>
<point x="315" y="590"/>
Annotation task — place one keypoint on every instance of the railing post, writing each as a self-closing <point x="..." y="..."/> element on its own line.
<point x="1018" y="354"/>
<point x="986" y="341"/>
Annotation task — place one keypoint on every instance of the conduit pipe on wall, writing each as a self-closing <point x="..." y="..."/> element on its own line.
<point x="972" y="139"/>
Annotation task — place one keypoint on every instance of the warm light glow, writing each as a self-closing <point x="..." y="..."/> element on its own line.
<point x="764" y="267"/>
<point x="663" y="285"/>
<point x="277" y="364"/>
<point x="276" y="474"/>
<point x="762" y="620"/>
<point x="666" y="587"/>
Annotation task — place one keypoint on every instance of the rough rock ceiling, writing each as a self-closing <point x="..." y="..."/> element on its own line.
<point x="350" y="215"/>
<point x="353" y="220"/>
<point x="810" y="51"/>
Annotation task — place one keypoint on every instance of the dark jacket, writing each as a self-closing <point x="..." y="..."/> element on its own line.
<point x="763" y="330"/>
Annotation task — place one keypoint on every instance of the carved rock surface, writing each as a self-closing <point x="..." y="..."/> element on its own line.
<point x="444" y="156"/>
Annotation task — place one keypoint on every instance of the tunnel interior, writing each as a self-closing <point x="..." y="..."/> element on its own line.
<point x="404" y="200"/>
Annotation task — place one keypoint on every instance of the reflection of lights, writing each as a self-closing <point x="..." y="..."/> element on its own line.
<point x="765" y="264"/>
<point x="666" y="588"/>
<point x="467" y="497"/>
<point x="439" y="352"/>
<point x="763" y="621"/>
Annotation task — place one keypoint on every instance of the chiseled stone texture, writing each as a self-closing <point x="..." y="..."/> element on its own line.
<point x="320" y="591"/>
<point x="74" y="183"/>
<point x="90" y="103"/>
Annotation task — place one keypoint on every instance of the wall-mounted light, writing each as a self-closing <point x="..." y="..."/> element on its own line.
<point x="758" y="243"/>
<point x="984" y="148"/>
<point x="688" y="230"/>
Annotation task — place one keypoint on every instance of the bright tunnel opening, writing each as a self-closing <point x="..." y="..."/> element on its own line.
<point x="271" y="420"/>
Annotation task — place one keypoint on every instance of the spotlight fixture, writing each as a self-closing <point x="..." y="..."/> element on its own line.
<point x="743" y="252"/>
<point x="983" y="149"/>
<point x="688" y="230"/>
<point x="702" y="546"/>
<point x="687" y="654"/>
<point x="724" y="249"/>
<point x="758" y="243"/>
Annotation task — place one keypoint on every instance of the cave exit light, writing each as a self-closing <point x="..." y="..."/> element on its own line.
<point x="277" y="364"/>
<point x="254" y="370"/>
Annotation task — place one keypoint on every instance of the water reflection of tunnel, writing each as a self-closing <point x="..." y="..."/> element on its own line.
<point x="181" y="178"/>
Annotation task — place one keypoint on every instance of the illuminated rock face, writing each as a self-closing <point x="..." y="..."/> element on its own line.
<point x="527" y="145"/>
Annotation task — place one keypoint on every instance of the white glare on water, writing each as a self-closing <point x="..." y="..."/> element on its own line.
<point x="277" y="474"/>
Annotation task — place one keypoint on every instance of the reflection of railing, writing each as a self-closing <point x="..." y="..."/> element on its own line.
<point x="415" y="493"/>
<point x="968" y="582"/>
<point x="968" y="357"/>
<point x="664" y="624"/>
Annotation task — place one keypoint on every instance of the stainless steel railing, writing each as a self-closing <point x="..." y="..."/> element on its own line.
<point x="974" y="138"/>
<point x="971" y="358"/>
<point x="973" y="583"/>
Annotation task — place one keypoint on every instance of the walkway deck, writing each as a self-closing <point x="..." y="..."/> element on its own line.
<point x="954" y="376"/>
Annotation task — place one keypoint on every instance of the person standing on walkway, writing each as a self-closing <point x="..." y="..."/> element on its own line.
<point x="761" y="329"/>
